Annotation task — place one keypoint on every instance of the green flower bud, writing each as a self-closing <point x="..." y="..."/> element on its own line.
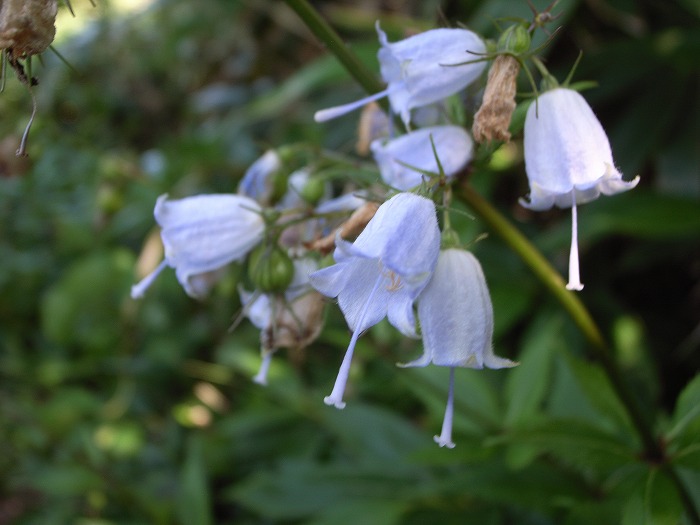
<point x="313" y="190"/>
<point x="270" y="268"/>
<point x="514" y="40"/>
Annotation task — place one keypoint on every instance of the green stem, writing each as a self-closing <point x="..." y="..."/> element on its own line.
<point x="326" y="34"/>
<point x="549" y="277"/>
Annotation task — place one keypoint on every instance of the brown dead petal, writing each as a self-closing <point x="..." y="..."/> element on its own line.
<point x="27" y="26"/>
<point x="296" y="324"/>
<point x="348" y="230"/>
<point x="493" y="118"/>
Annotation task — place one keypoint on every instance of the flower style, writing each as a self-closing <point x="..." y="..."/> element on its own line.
<point x="201" y="235"/>
<point x="382" y="272"/>
<point x="568" y="160"/>
<point x="456" y="319"/>
<point x="291" y="319"/>
<point x="421" y="70"/>
<point x="453" y="146"/>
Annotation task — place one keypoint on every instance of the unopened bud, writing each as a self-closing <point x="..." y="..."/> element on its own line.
<point x="493" y="118"/>
<point x="313" y="190"/>
<point x="515" y="40"/>
<point x="270" y="268"/>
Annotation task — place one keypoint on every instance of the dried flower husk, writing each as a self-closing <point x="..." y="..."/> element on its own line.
<point x="27" y="26"/>
<point x="374" y="124"/>
<point x="296" y="324"/>
<point x="493" y="118"/>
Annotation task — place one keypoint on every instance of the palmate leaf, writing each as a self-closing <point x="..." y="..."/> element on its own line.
<point x="656" y="503"/>
<point x="527" y="384"/>
<point x="300" y="489"/>
<point x="684" y="428"/>
<point x="574" y="442"/>
<point x="597" y="390"/>
<point x="687" y="412"/>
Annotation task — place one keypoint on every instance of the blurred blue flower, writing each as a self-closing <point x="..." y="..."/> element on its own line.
<point x="399" y="158"/>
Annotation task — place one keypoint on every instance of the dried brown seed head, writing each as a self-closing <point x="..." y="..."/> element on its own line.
<point x="493" y="118"/>
<point x="27" y="26"/>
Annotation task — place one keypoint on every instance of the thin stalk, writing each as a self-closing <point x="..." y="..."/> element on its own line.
<point x="326" y="34"/>
<point x="549" y="277"/>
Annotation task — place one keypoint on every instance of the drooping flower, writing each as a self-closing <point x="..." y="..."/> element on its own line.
<point x="568" y="160"/>
<point x="291" y="319"/>
<point x="202" y="234"/>
<point x="456" y="320"/>
<point x="398" y="157"/>
<point x="421" y="70"/>
<point x="382" y="272"/>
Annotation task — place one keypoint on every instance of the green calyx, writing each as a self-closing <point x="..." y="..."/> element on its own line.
<point x="515" y="40"/>
<point x="270" y="268"/>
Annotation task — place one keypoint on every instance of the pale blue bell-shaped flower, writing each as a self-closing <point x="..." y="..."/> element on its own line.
<point x="420" y="70"/>
<point x="568" y="160"/>
<point x="398" y="157"/>
<point x="202" y="234"/>
<point x="456" y="320"/>
<point x="382" y="272"/>
<point x="257" y="182"/>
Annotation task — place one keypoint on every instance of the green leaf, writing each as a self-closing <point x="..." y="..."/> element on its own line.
<point x="67" y="480"/>
<point x="193" y="504"/>
<point x="300" y="489"/>
<point x="687" y="413"/>
<point x="374" y="433"/>
<point x="597" y="389"/>
<point x="655" y="502"/>
<point x="576" y="442"/>
<point x="528" y="383"/>
<point x="662" y="505"/>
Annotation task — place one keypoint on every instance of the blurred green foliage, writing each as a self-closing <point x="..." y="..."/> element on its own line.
<point x="121" y="412"/>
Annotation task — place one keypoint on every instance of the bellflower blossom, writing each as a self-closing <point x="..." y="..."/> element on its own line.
<point x="452" y="143"/>
<point x="382" y="272"/>
<point x="568" y="160"/>
<point x="421" y="70"/>
<point x="456" y="319"/>
<point x="202" y="234"/>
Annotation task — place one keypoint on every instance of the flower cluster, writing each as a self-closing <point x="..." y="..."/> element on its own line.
<point x="391" y="259"/>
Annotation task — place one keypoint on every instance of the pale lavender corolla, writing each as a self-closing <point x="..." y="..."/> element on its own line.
<point x="382" y="272"/>
<point x="568" y="161"/>
<point x="400" y="159"/>
<point x="421" y="70"/>
<point x="456" y="320"/>
<point x="201" y="235"/>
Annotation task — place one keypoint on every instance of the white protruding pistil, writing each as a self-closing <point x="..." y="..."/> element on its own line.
<point x="336" y="397"/>
<point x="140" y="288"/>
<point x="574" y="277"/>
<point x="338" y="111"/>
<point x="261" y="377"/>
<point x="445" y="437"/>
